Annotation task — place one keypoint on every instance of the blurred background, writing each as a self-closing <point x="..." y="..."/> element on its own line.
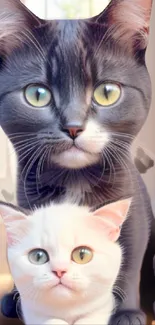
<point x="51" y="9"/>
<point x="143" y="148"/>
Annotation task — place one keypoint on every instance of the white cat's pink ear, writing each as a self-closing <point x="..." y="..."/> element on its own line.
<point x="12" y="218"/>
<point x="110" y="218"/>
<point x="15" y="22"/>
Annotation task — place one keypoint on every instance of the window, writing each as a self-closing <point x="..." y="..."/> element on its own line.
<point x="51" y="9"/>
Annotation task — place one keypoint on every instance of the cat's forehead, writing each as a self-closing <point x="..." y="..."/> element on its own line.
<point x="59" y="224"/>
<point x="82" y="43"/>
<point x="61" y="214"/>
<point x="68" y="29"/>
<point x="67" y="39"/>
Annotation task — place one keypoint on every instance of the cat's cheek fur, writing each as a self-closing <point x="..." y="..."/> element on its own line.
<point x="94" y="138"/>
<point x="108" y="260"/>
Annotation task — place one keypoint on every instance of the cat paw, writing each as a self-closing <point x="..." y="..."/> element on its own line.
<point x="128" y="317"/>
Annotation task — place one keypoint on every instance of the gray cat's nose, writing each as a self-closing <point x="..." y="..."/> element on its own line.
<point x="73" y="131"/>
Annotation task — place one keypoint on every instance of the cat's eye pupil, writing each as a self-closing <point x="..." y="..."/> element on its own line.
<point x="107" y="94"/>
<point x="82" y="254"/>
<point x="40" y="93"/>
<point x="107" y="91"/>
<point x="38" y="256"/>
<point x="37" y="95"/>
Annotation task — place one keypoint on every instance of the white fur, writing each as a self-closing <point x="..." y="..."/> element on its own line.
<point x="88" y="148"/>
<point x="59" y="229"/>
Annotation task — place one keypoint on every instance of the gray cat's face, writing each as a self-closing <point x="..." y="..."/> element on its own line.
<point x="74" y="92"/>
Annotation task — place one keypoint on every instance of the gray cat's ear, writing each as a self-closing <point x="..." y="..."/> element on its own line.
<point x="127" y="22"/>
<point x="16" y="22"/>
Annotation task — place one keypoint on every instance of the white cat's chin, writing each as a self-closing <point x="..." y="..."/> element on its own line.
<point x="75" y="159"/>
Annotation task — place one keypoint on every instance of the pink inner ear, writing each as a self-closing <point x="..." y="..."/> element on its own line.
<point x="146" y="4"/>
<point x="108" y="215"/>
<point x="104" y="227"/>
<point x="16" y="231"/>
<point x="114" y="234"/>
<point x="10" y="240"/>
<point x="129" y="19"/>
<point x="109" y="218"/>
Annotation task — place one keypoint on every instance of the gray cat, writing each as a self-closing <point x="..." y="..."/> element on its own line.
<point x="73" y="96"/>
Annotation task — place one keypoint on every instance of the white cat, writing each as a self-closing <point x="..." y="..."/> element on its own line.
<point x="64" y="260"/>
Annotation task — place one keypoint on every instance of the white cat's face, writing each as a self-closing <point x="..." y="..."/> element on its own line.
<point x="64" y="253"/>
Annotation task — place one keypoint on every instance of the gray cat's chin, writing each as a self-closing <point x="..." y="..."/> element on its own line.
<point x="75" y="159"/>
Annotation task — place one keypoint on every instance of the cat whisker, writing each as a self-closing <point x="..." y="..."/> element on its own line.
<point x="27" y="145"/>
<point x="94" y="179"/>
<point x="18" y="134"/>
<point x="32" y="135"/>
<point x="33" y="158"/>
<point x="18" y="143"/>
<point x="122" y="135"/>
<point x="25" y="154"/>
<point x="121" y="147"/>
<point x="120" y="144"/>
<point x="29" y="165"/>
<point x="108" y="158"/>
<point x="119" y="292"/>
<point x="102" y="173"/>
<point x="118" y="157"/>
<point x="39" y="169"/>
<point x="44" y="158"/>
<point x="30" y="37"/>
<point x="22" y="136"/>
<point x="19" y="309"/>
<point x="118" y="153"/>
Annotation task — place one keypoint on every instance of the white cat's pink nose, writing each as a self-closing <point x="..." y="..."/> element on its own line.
<point x="59" y="273"/>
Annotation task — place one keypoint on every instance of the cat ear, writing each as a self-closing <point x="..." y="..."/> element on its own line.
<point x="128" y="22"/>
<point x="111" y="217"/>
<point x="13" y="220"/>
<point x="15" y="23"/>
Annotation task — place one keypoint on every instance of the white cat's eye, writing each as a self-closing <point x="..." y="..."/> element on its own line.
<point x="37" y="95"/>
<point x="107" y="94"/>
<point x="38" y="256"/>
<point x="82" y="255"/>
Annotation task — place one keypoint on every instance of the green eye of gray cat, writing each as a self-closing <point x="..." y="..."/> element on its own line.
<point x="38" y="256"/>
<point x="37" y="95"/>
<point x="107" y="94"/>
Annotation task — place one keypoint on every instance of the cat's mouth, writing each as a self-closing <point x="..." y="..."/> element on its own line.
<point x="75" y="149"/>
<point x="61" y="285"/>
<point x="75" y="157"/>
